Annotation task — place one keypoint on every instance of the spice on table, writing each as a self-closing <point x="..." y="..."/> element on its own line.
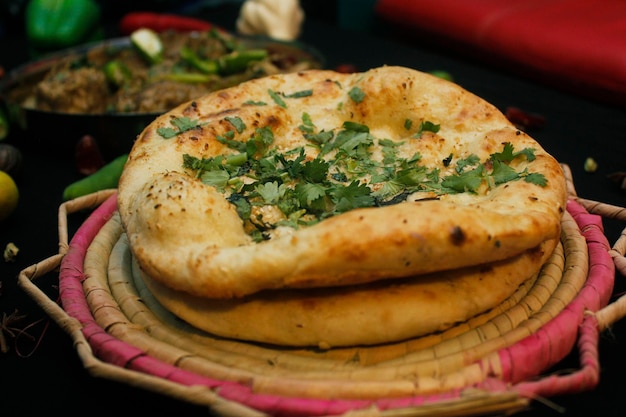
<point x="590" y="165"/>
<point x="10" y="252"/>
<point x="87" y="155"/>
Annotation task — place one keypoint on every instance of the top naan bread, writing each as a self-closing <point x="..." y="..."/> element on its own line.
<point x="188" y="235"/>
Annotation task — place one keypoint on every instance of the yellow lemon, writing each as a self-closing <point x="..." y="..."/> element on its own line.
<point x="9" y="195"/>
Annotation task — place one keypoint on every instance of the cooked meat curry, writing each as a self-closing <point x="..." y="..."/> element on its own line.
<point x="120" y="80"/>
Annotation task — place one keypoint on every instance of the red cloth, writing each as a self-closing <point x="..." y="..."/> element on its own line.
<point x="580" y="42"/>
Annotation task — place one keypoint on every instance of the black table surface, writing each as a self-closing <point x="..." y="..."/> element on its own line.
<point x="45" y="375"/>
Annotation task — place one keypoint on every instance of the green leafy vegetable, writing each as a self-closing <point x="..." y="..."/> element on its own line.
<point x="181" y="124"/>
<point x="356" y="94"/>
<point x="344" y="174"/>
<point x="426" y="126"/>
<point x="277" y="98"/>
<point x="300" y="94"/>
<point x="237" y="123"/>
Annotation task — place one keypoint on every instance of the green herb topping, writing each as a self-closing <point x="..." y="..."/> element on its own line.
<point x="270" y="188"/>
<point x="356" y="94"/>
<point x="181" y="124"/>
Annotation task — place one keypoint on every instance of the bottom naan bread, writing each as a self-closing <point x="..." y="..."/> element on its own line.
<point x="369" y="314"/>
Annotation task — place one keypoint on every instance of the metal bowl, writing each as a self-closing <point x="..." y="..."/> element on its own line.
<point x="115" y="133"/>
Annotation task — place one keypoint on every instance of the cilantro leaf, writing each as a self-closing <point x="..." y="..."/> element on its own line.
<point x="299" y="94"/>
<point x="535" y="178"/>
<point x="181" y="124"/>
<point x="321" y="137"/>
<point x="308" y="193"/>
<point x="258" y="144"/>
<point x="271" y="192"/>
<point x="411" y="176"/>
<point x="307" y="125"/>
<point x="352" y="196"/>
<point x="315" y="170"/>
<point x="242" y="205"/>
<point x="388" y="189"/>
<point x="217" y="178"/>
<point x="167" y="132"/>
<point x="237" y="123"/>
<point x="507" y="154"/>
<point x="426" y="126"/>
<point x="466" y="181"/>
<point x="227" y="139"/>
<point x="471" y="160"/>
<point x="356" y="94"/>
<point x="357" y="127"/>
<point x="255" y="103"/>
<point x="502" y="173"/>
<point x="277" y="99"/>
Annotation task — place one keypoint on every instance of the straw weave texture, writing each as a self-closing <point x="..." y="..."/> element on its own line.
<point x="490" y="363"/>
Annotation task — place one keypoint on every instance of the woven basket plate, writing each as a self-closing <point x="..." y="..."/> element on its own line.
<point x="492" y="362"/>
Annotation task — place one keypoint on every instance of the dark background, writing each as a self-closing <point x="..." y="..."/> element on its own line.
<point x="46" y="376"/>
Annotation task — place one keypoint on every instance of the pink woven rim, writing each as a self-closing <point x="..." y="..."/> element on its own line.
<point x="542" y="351"/>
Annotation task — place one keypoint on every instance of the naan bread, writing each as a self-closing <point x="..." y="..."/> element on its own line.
<point x="380" y="312"/>
<point x="189" y="237"/>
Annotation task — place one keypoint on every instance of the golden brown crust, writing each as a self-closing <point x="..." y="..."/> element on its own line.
<point x="185" y="235"/>
<point x="375" y="313"/>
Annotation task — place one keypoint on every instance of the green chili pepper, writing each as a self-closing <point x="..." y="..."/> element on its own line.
<point x="206" y="66"/>
<point x="117" y="73"/>
<point x="189" y="77"/>
<point x="56" y="24"/>
<point x="232" y="63"/>
<point x="106" y="177"/>
<point x="238" y="61"/>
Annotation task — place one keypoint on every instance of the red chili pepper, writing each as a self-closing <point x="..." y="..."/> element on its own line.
<point x="524" y="120"/>
<point x="160" y="22"/>
<point x="346" y="68"/>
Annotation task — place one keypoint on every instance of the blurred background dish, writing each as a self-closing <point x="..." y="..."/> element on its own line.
<point x="111" y="91"/>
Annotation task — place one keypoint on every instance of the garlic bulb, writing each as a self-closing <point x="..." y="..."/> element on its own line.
<point x="278" y="19"/>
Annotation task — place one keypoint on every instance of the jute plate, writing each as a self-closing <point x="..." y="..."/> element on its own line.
<point x="490" y="363"/>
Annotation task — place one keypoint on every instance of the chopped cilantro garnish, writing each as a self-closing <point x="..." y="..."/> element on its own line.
<point x="277" y="98"/>
<point x="345" y="175"/>
<point x="255" y="103"/>
<point x="426" y="126"/>
<point x="466" y="181"/>
<point x="534" y="178"/>
<point x="356" y="94"/>
<point x="307" y="125"/>
<point x="299" y="94"/>
<point x="354" y="195"/>
<point x="237" y="123"/>
<point x="271" y="192"/>
<point x="461" y="164"/>
<point x="321" y="137"/>
<point x="181" y="124"/>
<point x="227" y="139"/>
<point x="507" y="154"/>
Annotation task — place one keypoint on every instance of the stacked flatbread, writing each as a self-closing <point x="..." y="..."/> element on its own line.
<point x="432" y="208"/>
